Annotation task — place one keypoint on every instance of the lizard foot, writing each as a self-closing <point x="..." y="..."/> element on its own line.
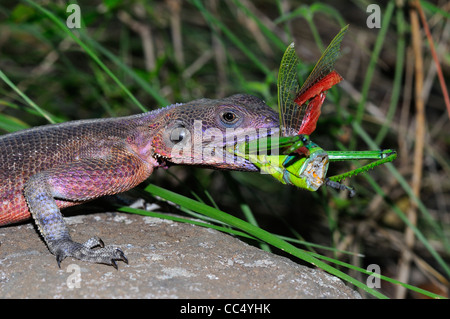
<point x="86" y="252"/>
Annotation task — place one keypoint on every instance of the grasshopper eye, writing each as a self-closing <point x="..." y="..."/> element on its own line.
<point x="305" y="139"/>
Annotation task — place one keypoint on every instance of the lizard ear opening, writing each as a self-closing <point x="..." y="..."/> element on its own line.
<point x="176" y="134"/>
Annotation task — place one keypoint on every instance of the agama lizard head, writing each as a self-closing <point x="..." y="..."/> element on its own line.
<point x="201" y="131"/>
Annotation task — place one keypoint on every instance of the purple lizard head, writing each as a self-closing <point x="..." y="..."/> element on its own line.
<point x="197" y="133"/>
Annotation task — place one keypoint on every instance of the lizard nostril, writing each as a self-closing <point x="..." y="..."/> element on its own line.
<point x="270" y="120"/>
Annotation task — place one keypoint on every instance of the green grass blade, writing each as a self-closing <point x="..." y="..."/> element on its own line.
<point x="211" y="19"/>
<point x="404" y="184"/>
<point x="397" y="85"/>
<point x="433" y="9"/>
<point x="387" y="15"/>
<point x="162" y="101"/>
<point x="246" y="235"/>
<point x="11" y="124"/>
<point x="385" y="278"/>
<point x="255" y="232"/>
<point x="229" y="230"/>
<point x="416" y="231"/>
<point x="45" y="114"/>
<point x="269" y="34"/>
<point x="88" y="50"/>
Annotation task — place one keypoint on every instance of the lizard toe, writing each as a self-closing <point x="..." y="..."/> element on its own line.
<point x="104" y="255"/>
<point x="94" y="242"/>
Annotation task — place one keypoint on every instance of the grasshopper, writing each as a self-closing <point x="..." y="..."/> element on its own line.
<point x="303" y="163"/>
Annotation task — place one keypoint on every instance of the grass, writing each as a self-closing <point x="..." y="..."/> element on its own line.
<point x="54" y="74"/>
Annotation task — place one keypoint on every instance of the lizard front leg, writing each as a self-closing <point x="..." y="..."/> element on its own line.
<point x="79" y="181"/>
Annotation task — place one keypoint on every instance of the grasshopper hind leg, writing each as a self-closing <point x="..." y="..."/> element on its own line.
<point x="339" y="186"/>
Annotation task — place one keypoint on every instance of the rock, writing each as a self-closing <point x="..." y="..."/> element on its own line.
<point x="166" y="260"/>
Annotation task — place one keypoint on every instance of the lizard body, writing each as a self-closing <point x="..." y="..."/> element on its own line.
<point x="50" y="167"/>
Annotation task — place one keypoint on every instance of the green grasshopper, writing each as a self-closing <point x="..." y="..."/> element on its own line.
<point x="303" y="163"/>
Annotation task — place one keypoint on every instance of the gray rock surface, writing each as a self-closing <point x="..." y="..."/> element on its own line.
<point x="166" y="260"/>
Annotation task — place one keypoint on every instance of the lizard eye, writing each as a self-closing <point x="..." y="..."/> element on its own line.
<point x="229" y="117"/>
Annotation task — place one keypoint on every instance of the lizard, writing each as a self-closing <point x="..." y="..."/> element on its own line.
<point x="47" y="168"/>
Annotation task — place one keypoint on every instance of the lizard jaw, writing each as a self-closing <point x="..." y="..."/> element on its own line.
<point x="161" y="160"/>
<point x="231" y="161"/>
<point x="213" y="154"/>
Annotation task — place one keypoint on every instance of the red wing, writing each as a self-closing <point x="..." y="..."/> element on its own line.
<point x="300" y="117"/>
<point x="316" y="95"/>
<point x="312" y="114"/>
<point x="326" y="83"/>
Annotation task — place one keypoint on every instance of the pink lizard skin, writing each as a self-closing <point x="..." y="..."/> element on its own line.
<point x="47" y="168"/>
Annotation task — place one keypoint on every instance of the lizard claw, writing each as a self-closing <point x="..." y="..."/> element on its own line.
<point x="122" y="257"/>
<point x="85" y="252"/>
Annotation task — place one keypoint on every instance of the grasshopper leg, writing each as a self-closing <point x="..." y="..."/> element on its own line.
<point x="339" y="186"/>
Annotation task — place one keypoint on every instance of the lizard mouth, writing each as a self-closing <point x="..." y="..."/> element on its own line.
<point x="163" y="161"/>
<point x="235" y="159"/>
<point x="220" y="151"/>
